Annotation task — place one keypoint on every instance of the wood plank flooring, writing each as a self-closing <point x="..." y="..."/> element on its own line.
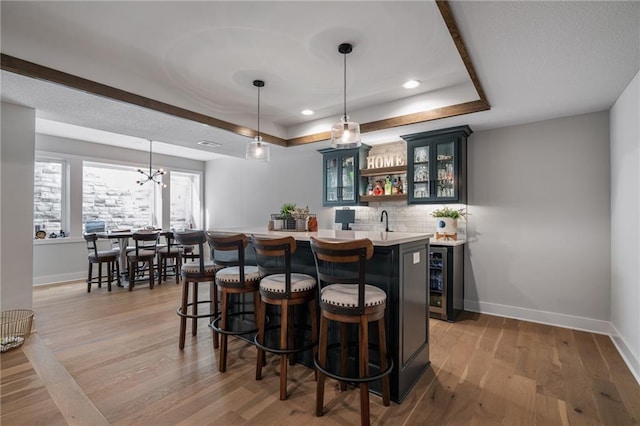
<point x="113" y="358"/>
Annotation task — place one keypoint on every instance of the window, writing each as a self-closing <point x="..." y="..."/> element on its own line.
<point x="110" y="194"/>
<point x="185" y="200"/>
<point x="49" y="212"/>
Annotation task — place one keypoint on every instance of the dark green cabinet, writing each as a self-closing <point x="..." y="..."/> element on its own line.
<point x="437" y="166"/>
<point x="340" y="180"/>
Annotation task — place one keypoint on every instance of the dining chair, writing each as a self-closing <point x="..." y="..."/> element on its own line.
<point x="146" y="243"/>
<point x="345" y="298"/>
<point x="283" y="288"/>
<point x="100" y="257"/>
<point x="171" y="250"/>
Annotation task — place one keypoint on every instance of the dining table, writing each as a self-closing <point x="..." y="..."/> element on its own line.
<point x="123" y="242"/>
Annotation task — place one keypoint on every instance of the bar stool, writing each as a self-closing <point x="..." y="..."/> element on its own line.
<point x="110" y="257"/>
<point x="196" y="272"/>
<point x="346" y="299"/>
<point x="281" y="287"/>
<point x="236" y="278"/>
<point x="145" y="252"/>
<point x="170" y="251"/>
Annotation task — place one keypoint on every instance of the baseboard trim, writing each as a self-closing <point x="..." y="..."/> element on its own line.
<point x="543" y="317"/>
<point x="627" y="354"/>
<point x="60" y="278"/>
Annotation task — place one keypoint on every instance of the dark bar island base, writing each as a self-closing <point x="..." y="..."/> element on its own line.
<point x="400" y="266"/>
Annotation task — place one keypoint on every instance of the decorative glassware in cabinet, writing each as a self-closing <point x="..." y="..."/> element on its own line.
<point x="348" y="193"/>
<point x="445" y="186"/>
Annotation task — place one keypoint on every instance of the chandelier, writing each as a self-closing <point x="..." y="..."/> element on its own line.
<point x="151" y="176"/>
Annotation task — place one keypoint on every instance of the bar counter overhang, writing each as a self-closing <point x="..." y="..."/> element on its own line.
<point x="400" y="266"/>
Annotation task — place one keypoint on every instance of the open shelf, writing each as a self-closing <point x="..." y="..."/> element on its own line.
<point x="384" y="171"/>
<point x="394" y="197"/>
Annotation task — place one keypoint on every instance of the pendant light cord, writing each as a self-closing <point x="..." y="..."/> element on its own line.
<point x="150" y="149"/>
<point x="258" y="111"/>
<point x="345" y="88"/>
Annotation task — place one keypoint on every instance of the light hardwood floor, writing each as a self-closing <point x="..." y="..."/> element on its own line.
<point x="113" y="358"/>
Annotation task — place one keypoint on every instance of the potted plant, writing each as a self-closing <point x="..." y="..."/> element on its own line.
<point x="447" y="222"/>
<point x="286" y="211"/>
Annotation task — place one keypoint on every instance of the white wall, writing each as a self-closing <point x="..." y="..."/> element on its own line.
<point x="66" y="260"/>
<point x="17" y="146"/>
<point x="539" y="245"/>
<point x="625" y="224"/>
<point x="245" y="193"/>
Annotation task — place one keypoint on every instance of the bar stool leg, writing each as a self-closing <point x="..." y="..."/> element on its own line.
<point x="99" y="274"/>
<point x="151" y="274"/>
<point x="213" y="309"/>
<point x="183" y="310"/>
<point x="261" y="324"/>
<point x="194" y="309"/>
<point x="314" y="332"/>
<point x="344" y="351"/>
<point x="382" y="338"/>
<point x="257" y="307"/>
<point x="109" y="274"/>
<point x="364" y="370"/>
<point x="284" y="344"/>
<point x="322" y="360"/>
<point x="222" y="367"/>
<point x="89" y="277"/>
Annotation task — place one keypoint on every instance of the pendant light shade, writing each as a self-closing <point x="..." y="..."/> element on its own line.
<point x="345" y="134"/>
<point x="152" y="176"/>
<point x="257" y="149"/>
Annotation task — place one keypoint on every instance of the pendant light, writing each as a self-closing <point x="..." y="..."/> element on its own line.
<point x="345" y="134"/>
<point x="256" y="149"/>
<point x="151" y="176"/>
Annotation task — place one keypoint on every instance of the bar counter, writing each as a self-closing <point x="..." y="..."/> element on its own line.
<point x="400" y="266"/>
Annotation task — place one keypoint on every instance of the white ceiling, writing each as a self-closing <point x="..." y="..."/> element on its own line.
<point x="535" y="60"/>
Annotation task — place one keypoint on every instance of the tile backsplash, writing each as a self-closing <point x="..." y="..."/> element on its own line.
<point x="402" y="218"/>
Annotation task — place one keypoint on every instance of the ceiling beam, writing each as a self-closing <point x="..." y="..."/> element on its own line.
<point x="29" y="69"/>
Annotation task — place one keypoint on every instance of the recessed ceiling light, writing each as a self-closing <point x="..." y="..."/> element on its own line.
<point x="210" y="144"/>
<point x="307" y="112"/>
<point x="412" y="84"/>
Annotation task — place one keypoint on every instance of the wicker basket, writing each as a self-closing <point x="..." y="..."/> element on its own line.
<point x="15" y="328"/>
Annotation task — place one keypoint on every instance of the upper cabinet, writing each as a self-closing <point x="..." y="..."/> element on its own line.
<point x="340" y="176"/>
<point x="437" y="166"/>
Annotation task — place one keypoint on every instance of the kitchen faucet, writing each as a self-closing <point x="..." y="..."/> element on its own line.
<point x="382" y="216"/>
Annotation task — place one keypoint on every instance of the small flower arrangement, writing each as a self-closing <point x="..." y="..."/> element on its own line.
<point x="449" y="212"/>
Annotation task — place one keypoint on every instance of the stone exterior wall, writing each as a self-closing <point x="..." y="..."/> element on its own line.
<point x="47" y="196"/>
<point x="111" y="195"/>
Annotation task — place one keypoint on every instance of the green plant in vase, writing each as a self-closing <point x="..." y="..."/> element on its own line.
<point x="447" y="222"/>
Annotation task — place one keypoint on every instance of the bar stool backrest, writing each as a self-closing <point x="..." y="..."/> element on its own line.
<point x="92" y="246"/>
<point x="273" y="256"/>
<point x="222" y="245"/>
<point x="343" y="263"/>
<point x="193" y="238"/>
<point x="146" y="241"/>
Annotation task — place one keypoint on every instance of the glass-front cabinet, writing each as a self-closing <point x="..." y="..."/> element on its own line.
<point x="340" y="175"/>
<point x="437" y="166"/>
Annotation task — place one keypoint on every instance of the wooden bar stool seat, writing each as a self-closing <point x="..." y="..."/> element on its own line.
<point x="346" y="299"/>
<point x="286" y="289"/>
<point x="237" y="279"/>
<point x="195" y="272"/>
